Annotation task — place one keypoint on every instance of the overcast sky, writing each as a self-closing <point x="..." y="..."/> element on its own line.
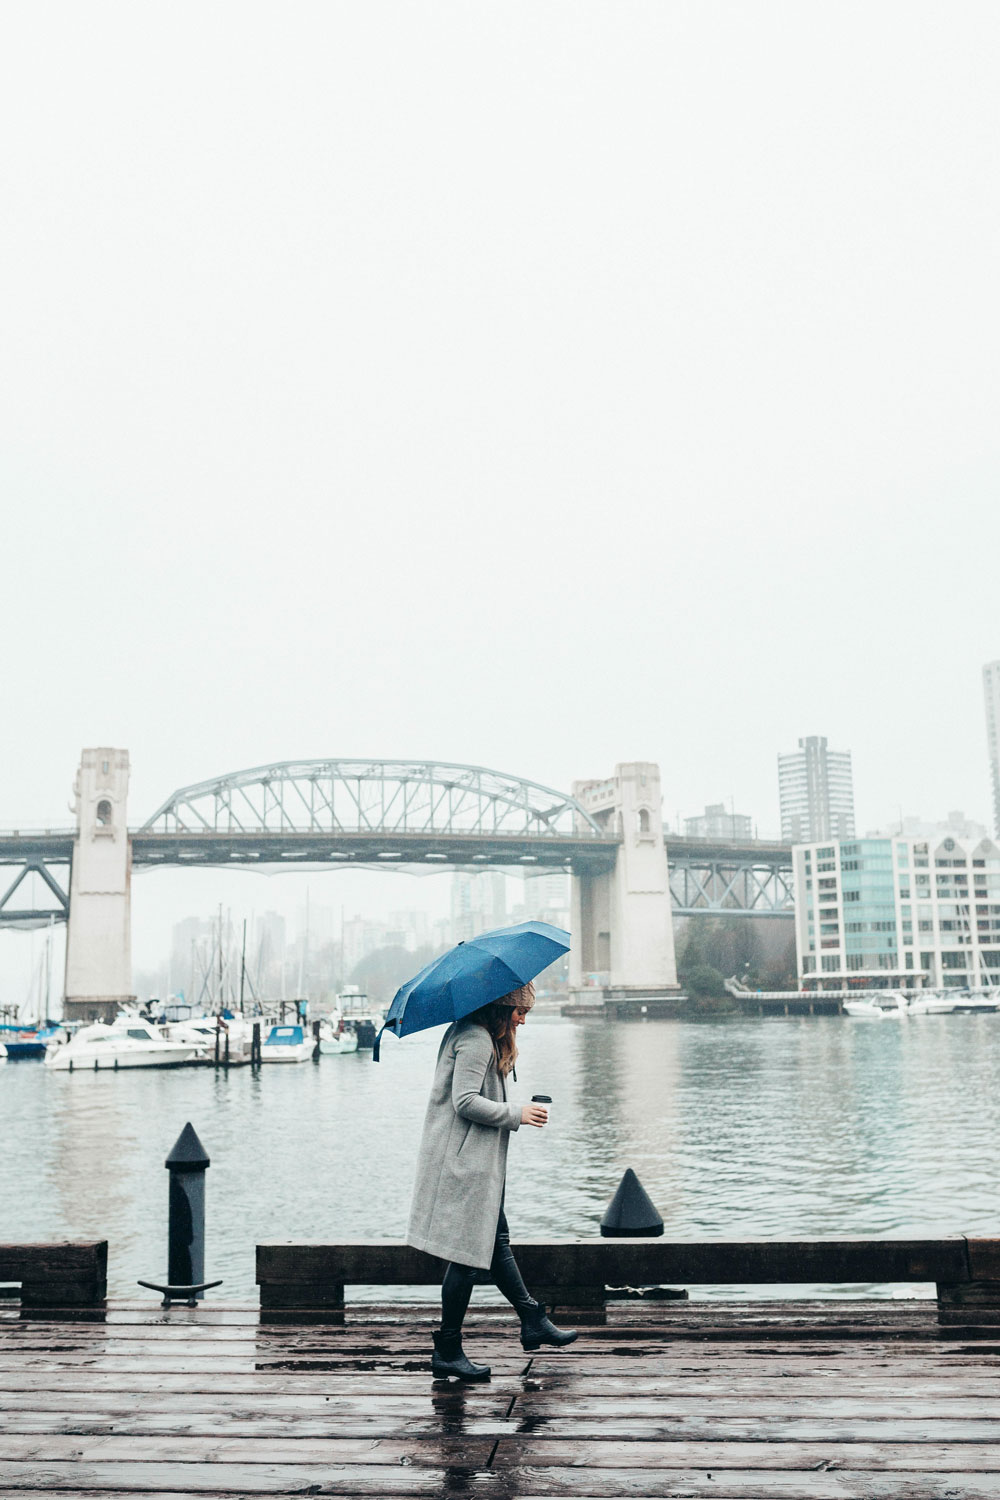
<point x="534" y="385"/>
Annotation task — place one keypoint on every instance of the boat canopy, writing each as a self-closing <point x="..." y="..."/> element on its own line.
<point x="284" y="1036"/>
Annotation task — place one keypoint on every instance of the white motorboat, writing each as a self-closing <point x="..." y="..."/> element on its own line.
<point x="130" y="1043"/>
<point x="203" y="1030"/>
<point x="287" y="1044"/>
<point x="360" y="1015"/>
<point x="933" y="1003"/>
<point x="878" y="1005"/>
<point x="972" y="1002"/>
<point x="335" y="1037"/>
<point x="3" y="1052"/>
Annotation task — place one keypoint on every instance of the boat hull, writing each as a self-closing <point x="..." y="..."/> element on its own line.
<point x="301" y="1052"/>
<point x="335" y="1046"/>
<point x="109" y="1063"/>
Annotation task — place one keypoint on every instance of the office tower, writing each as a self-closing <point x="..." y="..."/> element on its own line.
<point x="991" y="692"/>
<point x="817" y="793"/>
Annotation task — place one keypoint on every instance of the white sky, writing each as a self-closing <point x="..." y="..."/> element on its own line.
<point x="537" y="385"/>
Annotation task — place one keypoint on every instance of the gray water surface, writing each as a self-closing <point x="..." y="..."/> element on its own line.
<point x="737" y="1128"/>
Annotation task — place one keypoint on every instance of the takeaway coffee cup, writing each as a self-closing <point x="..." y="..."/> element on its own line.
<point x="545" y="1101"/>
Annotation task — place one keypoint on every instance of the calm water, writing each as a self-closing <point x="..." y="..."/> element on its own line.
<point x="773" y="1128"/>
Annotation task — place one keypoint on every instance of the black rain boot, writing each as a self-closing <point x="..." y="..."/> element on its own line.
<point x="536" y="1329"/>
<point x="535" y="1326"/>
<point x="450" y="1359"/>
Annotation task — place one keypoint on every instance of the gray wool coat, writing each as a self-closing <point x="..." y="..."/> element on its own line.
<point x="463" y="1151"/>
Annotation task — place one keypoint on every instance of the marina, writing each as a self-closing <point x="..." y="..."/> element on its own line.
<point x="736" y="1126"/>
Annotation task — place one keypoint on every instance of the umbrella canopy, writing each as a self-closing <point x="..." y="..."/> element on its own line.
<point x="471" y="975"/>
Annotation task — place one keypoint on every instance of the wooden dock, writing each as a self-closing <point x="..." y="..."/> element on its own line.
<point x="819" y="1400"/>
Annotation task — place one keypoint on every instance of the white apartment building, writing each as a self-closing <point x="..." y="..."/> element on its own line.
<point x="897" y="912"/>
<point x="816" y="790"/>
<point x="991" y="694"/>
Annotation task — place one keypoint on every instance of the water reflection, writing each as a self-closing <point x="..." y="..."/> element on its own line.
<point x="775" y="1127"/>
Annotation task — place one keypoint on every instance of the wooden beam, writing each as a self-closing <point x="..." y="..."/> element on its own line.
<point x="64" y="1260"/>
<point x="624" y="1262"/>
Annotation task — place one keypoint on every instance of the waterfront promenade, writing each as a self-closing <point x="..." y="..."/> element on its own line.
<point x="821" y="1400"/>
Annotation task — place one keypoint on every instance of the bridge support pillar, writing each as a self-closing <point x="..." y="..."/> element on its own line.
<point x="99" y="932"/>
<point x="624" y="916"/>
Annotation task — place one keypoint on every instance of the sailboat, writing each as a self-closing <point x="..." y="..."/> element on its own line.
<point x="26" y="1038"/>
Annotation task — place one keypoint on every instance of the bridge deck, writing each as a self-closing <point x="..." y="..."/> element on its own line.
<point x="819" y="1400"/>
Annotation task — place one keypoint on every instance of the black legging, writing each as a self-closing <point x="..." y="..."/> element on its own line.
<point x="456" y="1288"/>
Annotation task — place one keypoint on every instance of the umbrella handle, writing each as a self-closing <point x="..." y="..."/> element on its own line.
<point x="376" y="1046"/>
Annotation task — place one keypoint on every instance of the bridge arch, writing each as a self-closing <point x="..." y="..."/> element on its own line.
<point x="362" y="796"/>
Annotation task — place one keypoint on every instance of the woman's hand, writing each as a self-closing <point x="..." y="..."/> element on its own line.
<point x="534" y="1114"/>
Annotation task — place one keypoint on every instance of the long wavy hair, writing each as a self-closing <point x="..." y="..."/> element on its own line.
<point x="498" y="1019"/>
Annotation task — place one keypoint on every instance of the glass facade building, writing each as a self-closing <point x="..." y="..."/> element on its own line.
<point x="897" y="913"/>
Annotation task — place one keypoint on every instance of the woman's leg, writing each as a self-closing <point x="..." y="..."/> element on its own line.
<point x="456" y="1289"/>
<point x="536" y="1328"/>
<point x="449" y="1357"/>
<point x="505" y="1271"/>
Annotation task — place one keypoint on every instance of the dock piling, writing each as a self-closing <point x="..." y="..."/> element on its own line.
<point x="187" y="1165"/>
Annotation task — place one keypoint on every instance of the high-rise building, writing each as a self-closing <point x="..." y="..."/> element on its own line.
<point x="898" y="911"/>
<point x="991" y="692"/>
<point x="717" y="822"/>
<point x="478" y="902"/>
<point x="546" y="897"/>
<point x="816" y="789"/>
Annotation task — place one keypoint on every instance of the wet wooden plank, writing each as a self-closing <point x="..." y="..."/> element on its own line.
<point x="740" y="1484"/>
<point x="435" y="1451"/>
<point x="840" y="1404"/>
<point x="395" y="1425"/>
<point x="109" y="1481"/>
<point x="67" y="1339"/>
<point x="941" y="1458"/>
<point x="225" y="1479"/>
<point x="670" y="1347"/>
<point x="515" y="1451"/>
<point x="627" y="1388"/>
<point x="441" y="1399"/>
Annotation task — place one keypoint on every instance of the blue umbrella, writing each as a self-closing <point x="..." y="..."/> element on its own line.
<point x="471" y="975"/>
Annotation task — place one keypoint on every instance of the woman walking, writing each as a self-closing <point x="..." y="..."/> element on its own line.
<point x="457" y="1211"/>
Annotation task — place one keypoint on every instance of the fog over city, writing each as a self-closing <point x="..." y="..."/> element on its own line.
<point x="529" y="386"/>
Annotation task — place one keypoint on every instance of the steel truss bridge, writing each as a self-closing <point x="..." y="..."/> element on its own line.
<point x="752" y="879"/>
<point x="325" y="814"/>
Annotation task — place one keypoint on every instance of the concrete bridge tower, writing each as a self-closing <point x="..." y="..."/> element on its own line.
<point x="624" y="916"/>
<point x="99" y="934"/>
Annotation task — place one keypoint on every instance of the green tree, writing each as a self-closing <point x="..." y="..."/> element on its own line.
<point x="697" y="976"/>
<point x="730" y="945"/>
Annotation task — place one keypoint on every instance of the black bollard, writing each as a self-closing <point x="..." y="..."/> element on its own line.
<point x="631" y="1213"/>
<point x="187" y="1164"/>
<point x="255" y="1058"/>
